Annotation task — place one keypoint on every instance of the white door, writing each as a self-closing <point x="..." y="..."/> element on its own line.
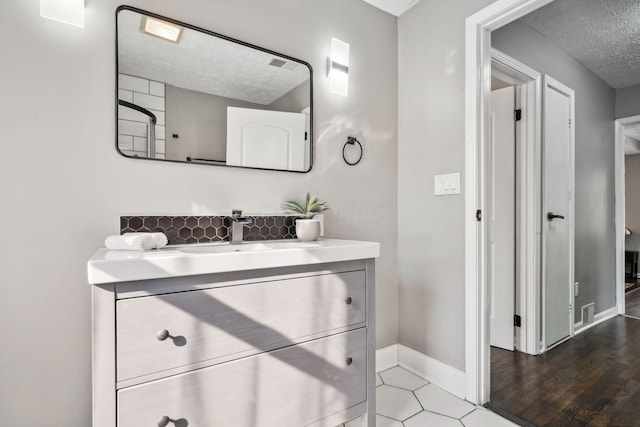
<point x="557" y="213"/>
<point x="307" y="138"/>
<point x="502" y="222"/>
<point x="265" y="139"/>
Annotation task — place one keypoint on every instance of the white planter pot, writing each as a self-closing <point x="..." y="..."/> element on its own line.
<point x="307" y="229"/>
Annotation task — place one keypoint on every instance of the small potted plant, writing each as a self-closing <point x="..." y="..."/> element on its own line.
<point x="307" y="228"/>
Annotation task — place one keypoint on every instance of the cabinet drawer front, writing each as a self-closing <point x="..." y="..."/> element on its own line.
<point x="174" y="330"/>
<point x="294" y="386"/>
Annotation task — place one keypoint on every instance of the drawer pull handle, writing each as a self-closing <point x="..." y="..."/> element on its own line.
<point x="162" y="335"/>
<point x="349" y="361"/>
<point x="164" y="421"/>
<point x="348" y="300"/>
<point x="177" y="340"/>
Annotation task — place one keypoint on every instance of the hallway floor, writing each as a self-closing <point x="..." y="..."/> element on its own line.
<point x="406" y="400"/>
<point x="632" y="303"/>
<point x="590" y="380"/>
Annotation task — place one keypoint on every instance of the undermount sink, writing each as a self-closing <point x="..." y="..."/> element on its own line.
<point x="244" y="247"/>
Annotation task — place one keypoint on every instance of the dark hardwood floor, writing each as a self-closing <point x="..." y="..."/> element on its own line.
<point x="590" y="380"/>
<point x="632" y="303"/>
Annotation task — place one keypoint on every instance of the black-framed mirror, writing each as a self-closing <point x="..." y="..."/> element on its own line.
<point x="186" y="94"/>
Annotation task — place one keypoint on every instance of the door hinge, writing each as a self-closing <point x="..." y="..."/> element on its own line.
<point x="517" y="320"/>
<point x="569" y="122"/>
<point x="518" y="115"/>
<point x="479" y="215"/>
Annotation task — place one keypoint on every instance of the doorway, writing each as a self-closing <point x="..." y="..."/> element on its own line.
<point x="477" y="233"/>
<point x="627" y="166"/>
<point x="519" y="290"/>
<point x="539" y="264"/>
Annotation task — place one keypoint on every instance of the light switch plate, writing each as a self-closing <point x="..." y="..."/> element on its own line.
<point x="444" y="185"/>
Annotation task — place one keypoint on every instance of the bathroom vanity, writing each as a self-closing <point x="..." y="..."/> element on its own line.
<point x="249" y="335"/>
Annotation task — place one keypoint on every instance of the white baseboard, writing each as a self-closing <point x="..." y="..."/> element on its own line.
<point x="598" y="318"/>
<point x="440" y="374"/>
<point x="605" y="315"/>
<point x="444" y="376"/>
<point x="577" y="326"/>
<point x="386" y="358"/>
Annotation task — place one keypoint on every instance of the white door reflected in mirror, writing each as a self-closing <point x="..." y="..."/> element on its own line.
<point x="266" y="139"/>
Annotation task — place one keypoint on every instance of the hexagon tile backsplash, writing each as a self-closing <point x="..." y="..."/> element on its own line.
<point x="182" y="230"/>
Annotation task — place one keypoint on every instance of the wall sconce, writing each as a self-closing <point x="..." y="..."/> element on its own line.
<point x="339" y="67"/>
<point x="67" y="11"/>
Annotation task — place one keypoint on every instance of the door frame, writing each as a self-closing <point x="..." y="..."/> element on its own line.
<point x="620" y="206"/>
<point x="477" y="97"/>
<point x="528" y="84"/>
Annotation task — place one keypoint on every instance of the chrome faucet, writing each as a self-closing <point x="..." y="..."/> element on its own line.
<point x="237" y="226"/>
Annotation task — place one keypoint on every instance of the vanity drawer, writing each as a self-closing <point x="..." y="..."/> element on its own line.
<point x="294" y="386"/>
<point x="162" y="332"/>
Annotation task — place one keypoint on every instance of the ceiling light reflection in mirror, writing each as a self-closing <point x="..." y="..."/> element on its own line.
<point x="164" y="30"/>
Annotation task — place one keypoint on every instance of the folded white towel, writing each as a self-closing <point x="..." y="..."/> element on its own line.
<point x="129" y="243"/>
<point x="159" y="239"/>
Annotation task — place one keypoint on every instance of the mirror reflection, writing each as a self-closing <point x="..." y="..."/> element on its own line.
<point x="189" y="95"/>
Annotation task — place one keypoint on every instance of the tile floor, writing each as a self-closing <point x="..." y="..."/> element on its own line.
<point x="406" y="400"/>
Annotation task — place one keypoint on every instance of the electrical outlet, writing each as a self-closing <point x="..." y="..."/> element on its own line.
<point x="576" y="289"/>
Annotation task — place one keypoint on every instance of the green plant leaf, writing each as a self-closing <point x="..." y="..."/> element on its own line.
<point x="294" y="207"/>
<point x="309" y="209"/>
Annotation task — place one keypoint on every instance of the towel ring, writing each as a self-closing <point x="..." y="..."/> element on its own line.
<point x="352" y="141"/>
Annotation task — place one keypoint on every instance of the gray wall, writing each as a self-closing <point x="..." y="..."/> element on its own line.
<point x="594" y="200"/>
<point x="628" y="102"/>
<point x="632" y="201"/>
<point x="431" y="72"/>
<point x="200" y="120"/>
<point x="64" y="185"/>
<point x="294" y="101"/>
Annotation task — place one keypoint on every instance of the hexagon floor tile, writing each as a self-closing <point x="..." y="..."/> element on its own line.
<point x="437" y="400"/>
<point x="387" y="422"/>
<point x="354" y="423"/>
<point x="396" y="403"/>
<point x="399" y="377"/>
<point x="398" y="407"/>
<point x="484" y="418"/>
<point x="378" y="380"/>
<point x="425" y="418"/>
<point x="380" y="422"/>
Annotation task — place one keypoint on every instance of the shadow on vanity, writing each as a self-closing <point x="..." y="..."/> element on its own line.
<point x="285" y="345"/>
<point x="298" y="357"/>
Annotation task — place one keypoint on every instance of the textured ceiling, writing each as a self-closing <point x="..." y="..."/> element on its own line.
<point x="633" y="131"/>
<point x="204" y="63"/>
<point x="394" y="7"/>
<point x="632" y="140"/>
<point x="603" y="35"/>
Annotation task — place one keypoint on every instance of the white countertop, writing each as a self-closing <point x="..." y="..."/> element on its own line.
<point x="122" y="266"/>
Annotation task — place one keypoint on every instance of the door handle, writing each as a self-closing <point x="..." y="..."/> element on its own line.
<point x="551" y="216"/>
